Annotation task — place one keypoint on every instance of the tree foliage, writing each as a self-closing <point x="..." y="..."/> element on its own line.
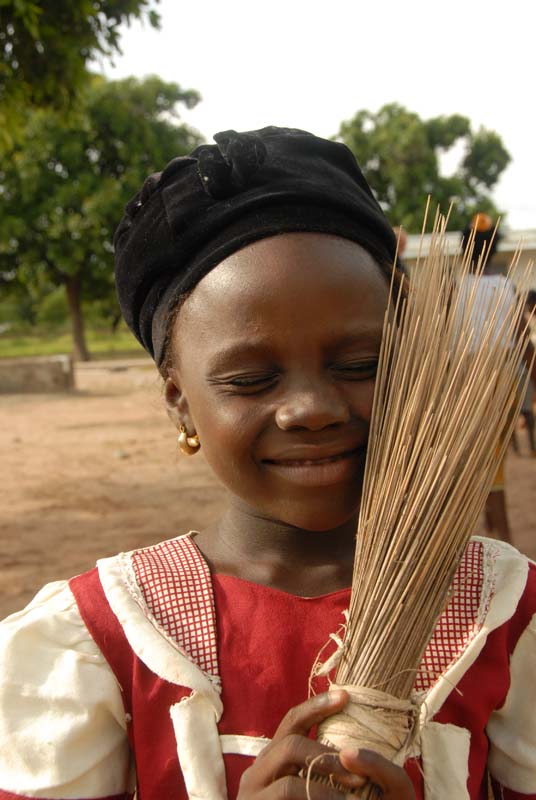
<point x="45" y="46"/>
<point x="400" y="155"/>
<point x="64" y="184"/>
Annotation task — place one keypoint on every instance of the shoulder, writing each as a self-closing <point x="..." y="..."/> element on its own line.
<point x="52" y="616"/>
<point x="48" y="638"/>
<point x="162" y="598"/>
<point x="507" y="587"/>
<point x="491" y="603"/>
<point x="510" y="575"/>
<point x="495" y="580"/>
<point x="55" y="688"/>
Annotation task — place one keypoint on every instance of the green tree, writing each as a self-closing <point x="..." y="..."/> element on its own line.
<point x="399" y="154"/>
<point x="45" y="46"/>
<point x="65" y="181"/>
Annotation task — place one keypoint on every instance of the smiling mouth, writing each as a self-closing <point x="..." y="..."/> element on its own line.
<point x="317" y="472"/>
<point x="309" y="462"/>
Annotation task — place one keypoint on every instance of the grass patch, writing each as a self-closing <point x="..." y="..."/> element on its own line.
<point x="101" y="344"/>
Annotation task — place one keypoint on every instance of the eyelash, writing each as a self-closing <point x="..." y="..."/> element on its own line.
<point x="363" y="370"/>
<point x="246" y="384"/>
<point x="254" y="384"/>
<point x="254" y="380"/>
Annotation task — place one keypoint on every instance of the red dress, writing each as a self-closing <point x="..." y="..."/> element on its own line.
<point x="208" y="666"/>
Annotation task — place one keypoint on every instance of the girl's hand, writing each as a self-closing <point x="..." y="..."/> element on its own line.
<point x="279" y="773"/>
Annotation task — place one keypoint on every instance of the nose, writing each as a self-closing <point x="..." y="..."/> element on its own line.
<point x="312" y="407"/>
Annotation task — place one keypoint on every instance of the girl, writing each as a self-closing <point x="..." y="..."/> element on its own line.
<point x="256" y="273"/>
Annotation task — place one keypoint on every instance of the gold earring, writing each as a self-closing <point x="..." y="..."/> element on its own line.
<point x="189" y="445"/>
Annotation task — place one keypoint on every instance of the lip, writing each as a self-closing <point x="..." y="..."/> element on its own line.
<point x="314" y="467"/>
<point x="308" y="451"/>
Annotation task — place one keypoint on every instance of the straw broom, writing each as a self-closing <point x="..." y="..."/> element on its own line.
<point x="445" y="404"/>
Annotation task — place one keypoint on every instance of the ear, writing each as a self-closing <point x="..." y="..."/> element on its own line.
<point x="177" y="404"/>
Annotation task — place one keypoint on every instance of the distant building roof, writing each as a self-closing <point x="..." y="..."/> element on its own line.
<point x="509" y="243"/>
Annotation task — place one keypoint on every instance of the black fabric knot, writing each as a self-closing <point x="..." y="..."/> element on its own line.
<point x="135" y="204"/>
<point x="149" y="186"/>
<point x="156" y="181"/>
<point x="153" y="182"/>
<point x="228" y="168"/>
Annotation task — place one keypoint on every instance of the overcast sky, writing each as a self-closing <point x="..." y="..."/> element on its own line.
<point x="313" y="63"/>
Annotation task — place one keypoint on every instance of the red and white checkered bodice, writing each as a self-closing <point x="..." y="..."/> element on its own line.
<point x="177" y="587"/>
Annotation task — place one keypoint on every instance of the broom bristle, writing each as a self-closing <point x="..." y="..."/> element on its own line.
<point x="444" y="409"/>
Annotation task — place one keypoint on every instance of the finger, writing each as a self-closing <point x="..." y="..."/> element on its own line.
<point x="301" y="719"/>
<point x="291" y="788"/>
<point x="327" y="767"/>
<point x="295" y="755"/>
<point x="390" y="778"/>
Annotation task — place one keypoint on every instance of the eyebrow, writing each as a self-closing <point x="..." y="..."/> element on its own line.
<point x="237" y="351"/>
<point x="369" y="335"/>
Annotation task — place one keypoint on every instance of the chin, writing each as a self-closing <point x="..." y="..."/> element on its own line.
<point x="319" y="520"/>
<point x="325" y="511"/>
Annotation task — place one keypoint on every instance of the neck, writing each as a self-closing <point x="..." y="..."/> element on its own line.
<point x="303" y="562"/>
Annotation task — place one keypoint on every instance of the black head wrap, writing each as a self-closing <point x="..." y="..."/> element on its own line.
<point x="203" y="207"/>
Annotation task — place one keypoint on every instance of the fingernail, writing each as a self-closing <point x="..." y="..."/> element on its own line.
<point x="323" y="700"/>
<point x="358" y="753"/>
<point x="328" y="698"/>
<point x="336" y="696"/>
<point x="356" y="780"/>
<point x="351" y="752"/>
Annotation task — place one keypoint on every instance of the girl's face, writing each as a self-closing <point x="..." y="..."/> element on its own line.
<point x="275" y="358"/>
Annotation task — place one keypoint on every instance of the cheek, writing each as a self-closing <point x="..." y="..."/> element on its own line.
<point x="227" y="431"/>
<point x="361" y="397"/>
<point x="223" y="421"/>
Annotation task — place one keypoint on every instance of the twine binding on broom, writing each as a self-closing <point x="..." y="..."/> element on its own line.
<point x="374" y="720"/>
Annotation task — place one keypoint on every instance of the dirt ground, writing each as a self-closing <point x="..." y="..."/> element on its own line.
<point x="96" y="471"/>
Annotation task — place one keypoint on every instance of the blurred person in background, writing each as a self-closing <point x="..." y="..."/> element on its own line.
<point x="527" y="408"/>
<point x="483" y="233"/>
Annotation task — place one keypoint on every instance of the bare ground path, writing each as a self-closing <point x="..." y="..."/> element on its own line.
<point x="88" y="474"/>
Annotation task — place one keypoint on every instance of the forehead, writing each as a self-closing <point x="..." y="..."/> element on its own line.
<point x="289" y="285"/>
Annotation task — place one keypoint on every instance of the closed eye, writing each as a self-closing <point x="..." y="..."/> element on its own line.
<point x="250" y="383"/>
<point x="364" y="369"/>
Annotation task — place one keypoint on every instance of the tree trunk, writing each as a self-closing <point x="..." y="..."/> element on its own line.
<point x="116" y="319"/>
<point x="72" y="287"/>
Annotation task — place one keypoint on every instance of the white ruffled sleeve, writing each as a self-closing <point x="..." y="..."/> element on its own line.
<point x="62" y="720"/>
<point x="512" y="728"/>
